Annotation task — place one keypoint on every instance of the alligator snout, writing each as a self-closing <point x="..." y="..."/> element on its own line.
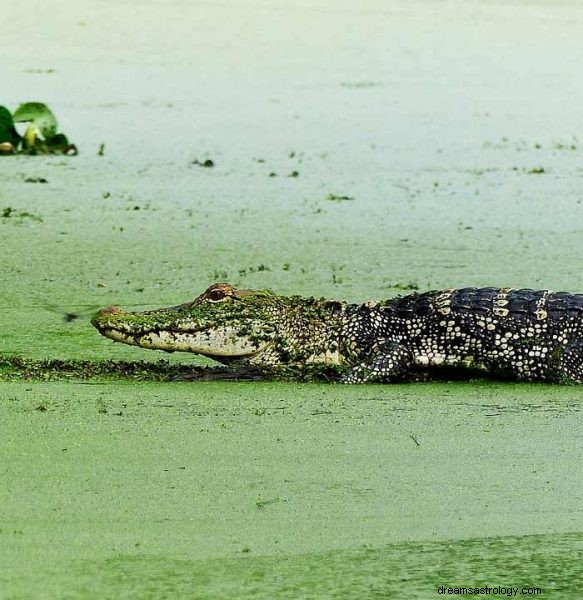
<point x="109" y="311"/>
<point x="103" y="315"/>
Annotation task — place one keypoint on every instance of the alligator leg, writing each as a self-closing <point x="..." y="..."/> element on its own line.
<point x="570" y="365"/>
<point x="387" y="361"/>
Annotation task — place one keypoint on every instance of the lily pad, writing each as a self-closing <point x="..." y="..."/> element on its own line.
<point x="41" y="118"/>
<point x="41" y="135"/>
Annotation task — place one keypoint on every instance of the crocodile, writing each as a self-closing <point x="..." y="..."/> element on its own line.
<point x="519" y="334"/>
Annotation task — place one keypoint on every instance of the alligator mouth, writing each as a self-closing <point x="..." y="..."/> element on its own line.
<point x="223" y="346"/>
<point x="228" y="341"/>
<point x="119" y="335"/>
<point x="110" y="323"/>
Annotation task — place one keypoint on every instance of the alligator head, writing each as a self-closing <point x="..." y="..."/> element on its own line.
<point x="231" y="326"/>
<point x="223" y="323"/>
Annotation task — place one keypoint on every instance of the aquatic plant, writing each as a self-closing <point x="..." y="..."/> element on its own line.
<point x="41" y="135"/>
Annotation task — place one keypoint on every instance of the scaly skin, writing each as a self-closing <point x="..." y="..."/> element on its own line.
<point x="518" y="334"/>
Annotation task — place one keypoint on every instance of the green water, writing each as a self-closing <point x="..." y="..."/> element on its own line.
<point x="202" y="490"/>
<point x="434" y="122"/>
<point x="139" y="490"/>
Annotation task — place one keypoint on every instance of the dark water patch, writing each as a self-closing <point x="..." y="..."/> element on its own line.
<point x="17" y="368"/>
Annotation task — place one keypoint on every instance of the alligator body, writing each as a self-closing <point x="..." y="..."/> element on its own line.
<point x="517" y="334"/>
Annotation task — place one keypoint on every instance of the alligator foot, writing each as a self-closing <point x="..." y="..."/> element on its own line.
<point x="570" y="367"/>
<point x="389" y="360"/>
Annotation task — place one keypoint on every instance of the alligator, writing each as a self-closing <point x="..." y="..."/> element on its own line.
<point x="519" y="334"/>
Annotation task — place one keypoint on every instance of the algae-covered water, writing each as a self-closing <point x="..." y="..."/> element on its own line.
<point x="245" y="490"/>
<point x="359" y="152"/>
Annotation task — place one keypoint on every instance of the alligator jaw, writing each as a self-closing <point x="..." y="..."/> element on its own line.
<point x="221" y="343"/>
<point x="217" y="342"/>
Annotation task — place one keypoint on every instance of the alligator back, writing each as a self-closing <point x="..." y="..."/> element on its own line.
<point x="523" y="304"/>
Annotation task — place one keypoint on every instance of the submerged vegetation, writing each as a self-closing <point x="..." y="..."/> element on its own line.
<point x="41" y="135"/>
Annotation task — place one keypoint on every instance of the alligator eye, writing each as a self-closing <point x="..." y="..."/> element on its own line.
<point x="216" y="296"/>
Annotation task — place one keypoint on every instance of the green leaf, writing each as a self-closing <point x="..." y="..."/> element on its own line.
<point x="40" y="117"/>
<point x="7" y="131"/>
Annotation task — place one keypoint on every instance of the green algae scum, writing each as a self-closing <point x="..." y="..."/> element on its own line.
<point x="327" y="150"/>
